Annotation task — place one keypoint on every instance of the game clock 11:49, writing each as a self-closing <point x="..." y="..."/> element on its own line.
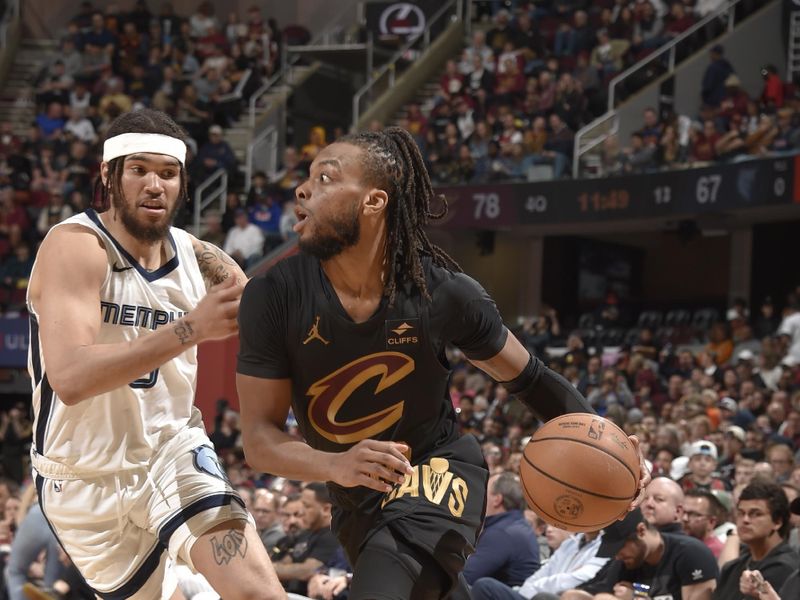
<point x="612" y="200"/>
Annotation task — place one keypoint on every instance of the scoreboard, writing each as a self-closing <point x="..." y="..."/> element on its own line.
<point x="719" y="188"/>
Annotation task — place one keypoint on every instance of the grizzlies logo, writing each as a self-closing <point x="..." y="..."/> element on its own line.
<point x="568" y="507"/>
<point x="207" y="461"/>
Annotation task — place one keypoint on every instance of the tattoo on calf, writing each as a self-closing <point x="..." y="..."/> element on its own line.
<point x="184" y="331"/>
<point x="233" y="543"/>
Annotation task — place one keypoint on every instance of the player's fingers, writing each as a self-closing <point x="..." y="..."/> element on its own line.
<point x="644" y="473"/>
<point x="401" y="451"/>
<point x="386" y="446"/>
<point x="388" y="475"/>
<point x="373" y="484"/>
<point x="636" y="502"/>
<point x="229" y="289"/>
<point x="396" y="449"/>
<point x="391" y="462"/>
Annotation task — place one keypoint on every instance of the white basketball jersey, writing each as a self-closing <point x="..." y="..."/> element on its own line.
<point x="121" y="429"/>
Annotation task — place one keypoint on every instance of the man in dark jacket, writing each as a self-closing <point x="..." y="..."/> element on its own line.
<point x="762" y="523"/>
<point x="757" y="586"/>
<point x="713" y="87"/>
<point x="507" y="549"/>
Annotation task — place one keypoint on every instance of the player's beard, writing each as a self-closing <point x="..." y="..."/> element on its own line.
<point x="146" y="232"/>
<point x="330" y="239"/>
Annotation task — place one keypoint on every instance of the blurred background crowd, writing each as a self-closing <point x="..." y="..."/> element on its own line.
<point x="714" y="397"/>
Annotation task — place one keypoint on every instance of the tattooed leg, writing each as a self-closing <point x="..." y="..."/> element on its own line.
<point x="233" y="559"/>
<point x="228" y="546"/>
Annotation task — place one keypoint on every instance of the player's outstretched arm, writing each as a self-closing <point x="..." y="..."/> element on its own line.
<point x="546" y="393"/>
<point x="65" y="293"/>
<point x="264" y="405"/>
<point x="215" y="265"/>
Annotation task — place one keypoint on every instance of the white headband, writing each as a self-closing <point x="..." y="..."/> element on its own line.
<point x="155" y="143"/>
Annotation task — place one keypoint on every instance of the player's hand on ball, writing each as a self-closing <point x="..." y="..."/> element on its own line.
<point x="214" y="317"/>
<point x="644" y="473"/>
<point x="372" y="464"/>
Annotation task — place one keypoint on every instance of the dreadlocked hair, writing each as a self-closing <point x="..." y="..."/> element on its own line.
<point x="140" y="121"/>
<point x="392" y="161"/>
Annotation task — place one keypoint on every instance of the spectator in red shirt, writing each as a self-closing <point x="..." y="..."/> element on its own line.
<point x="417" y="123"/>
<point x="452" y="81"/>
<point x="700" y="518"/>
<point x="704" y="142"/>
<point x="735" y="100"/>
<point x="510" y="84"/>
<point x="772" y="94"/>
<point x="702" y="464"/>
<point x="255" y="21"/>
<point x="678" y="21"/>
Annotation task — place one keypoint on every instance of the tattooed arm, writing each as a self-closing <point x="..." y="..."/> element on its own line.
<point x="64" y="292"/>
<point x="215" y="265"/>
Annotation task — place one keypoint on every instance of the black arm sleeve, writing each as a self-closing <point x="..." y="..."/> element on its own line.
<point x="546" y="393"/>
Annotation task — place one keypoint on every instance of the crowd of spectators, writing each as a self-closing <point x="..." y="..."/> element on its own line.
<point x="729" y="126"/>
<point x="200" y="68"/>
<point x="715" y="416"/>
<point x="714" y="411"/>
<point x="508" y="108"/>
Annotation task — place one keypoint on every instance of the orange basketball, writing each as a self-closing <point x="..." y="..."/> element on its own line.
<point x="580" y="472"/>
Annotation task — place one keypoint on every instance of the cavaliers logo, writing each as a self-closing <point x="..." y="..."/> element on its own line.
<point x="568" y="507"/>
<point x="330" y="393"/>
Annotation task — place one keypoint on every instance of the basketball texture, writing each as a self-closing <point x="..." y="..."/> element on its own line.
<point x="580" y="472"/>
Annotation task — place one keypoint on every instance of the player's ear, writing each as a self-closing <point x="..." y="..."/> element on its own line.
<point x="376" y="202"/>
<point x="104" y="172"/>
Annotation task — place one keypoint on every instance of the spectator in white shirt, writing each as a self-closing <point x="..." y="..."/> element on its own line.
<point x="574" y="562"/>
<point x="789" y="331"/>
<point x="288" y="221"/>
<point x="81" y="127"/>
<point x="245" y="241"/>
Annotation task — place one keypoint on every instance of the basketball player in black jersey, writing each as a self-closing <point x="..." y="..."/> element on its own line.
<point x="351" y="335"/>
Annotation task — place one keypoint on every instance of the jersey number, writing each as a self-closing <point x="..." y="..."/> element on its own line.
<point x="145" y="382"/>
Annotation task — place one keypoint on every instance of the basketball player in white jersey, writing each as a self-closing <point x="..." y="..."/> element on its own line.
<point x="119" y="300"/>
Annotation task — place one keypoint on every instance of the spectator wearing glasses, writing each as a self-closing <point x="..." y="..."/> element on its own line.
<point x="762" y="522"/>
<point x="700" y="519"/>
<point x="265" y="512"/>
<point x="763" y="589"/>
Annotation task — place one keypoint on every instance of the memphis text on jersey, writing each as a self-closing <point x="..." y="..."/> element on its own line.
<point x="434" y="482"/>
<point x="137" y="316"/>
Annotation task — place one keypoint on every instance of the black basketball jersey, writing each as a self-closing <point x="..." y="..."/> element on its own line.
<point x="385" y="378"/>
